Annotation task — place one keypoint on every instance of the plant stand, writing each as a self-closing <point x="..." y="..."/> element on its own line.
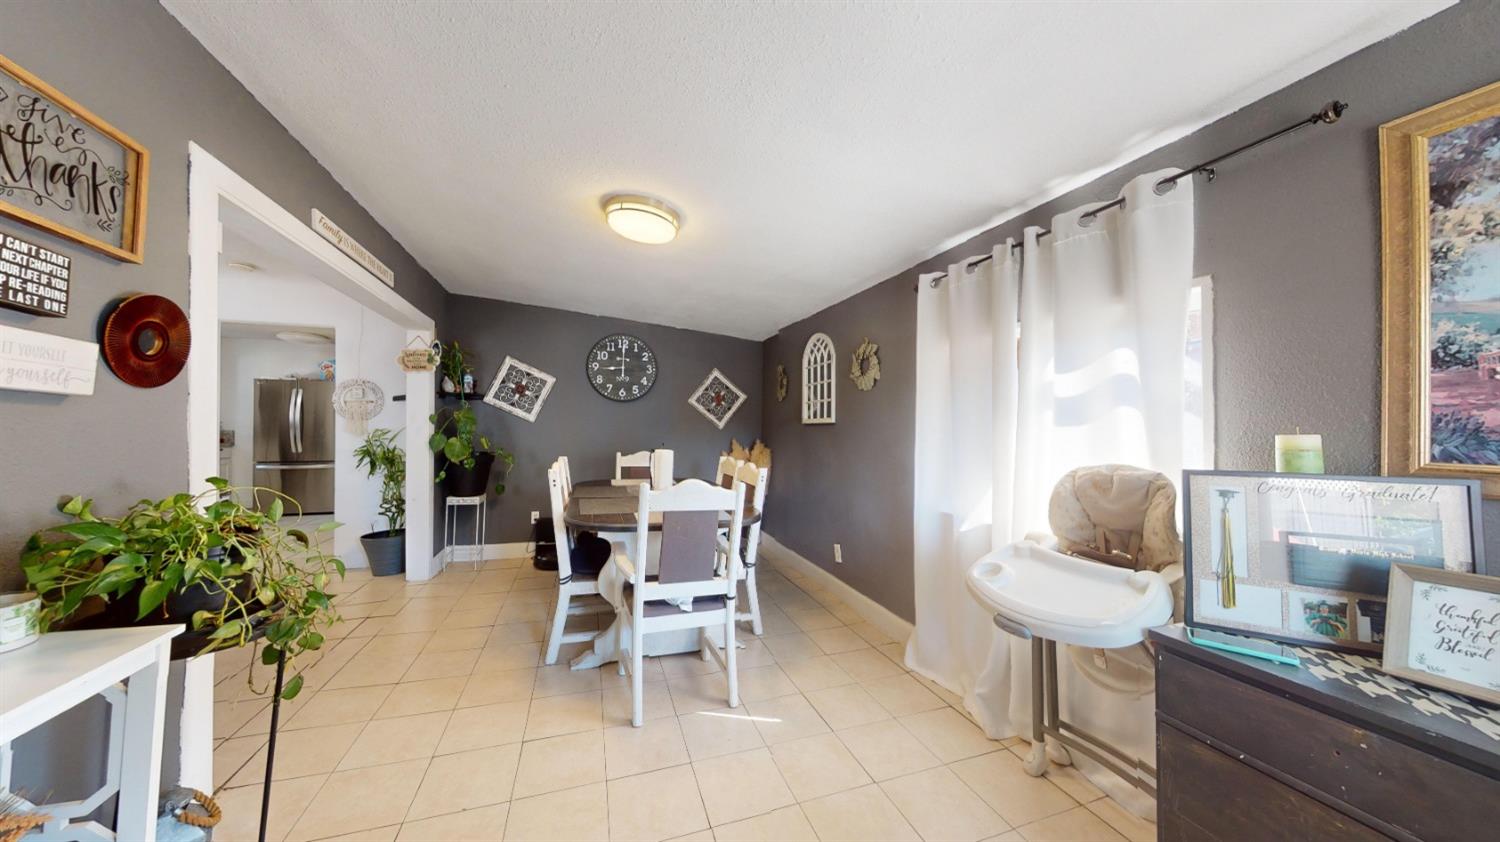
<point x="265" y="794"/>
<point x="451" y="545"/>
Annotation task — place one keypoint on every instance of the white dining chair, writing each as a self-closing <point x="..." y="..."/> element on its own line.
<point x="724" y="474"/>
<point x="565" y="473"/>
<point x="690" y="512"/>
<point x="569" y="584"/>
<point x="756" y="480"/>
<point x="635" y="465"/>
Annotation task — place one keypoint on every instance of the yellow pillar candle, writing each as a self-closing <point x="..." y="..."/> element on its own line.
<point x="1299" y="454"/>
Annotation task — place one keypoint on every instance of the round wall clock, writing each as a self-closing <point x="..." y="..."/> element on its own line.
<point x="621" y="367"/>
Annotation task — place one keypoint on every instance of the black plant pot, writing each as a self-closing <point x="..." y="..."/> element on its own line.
<point x="180" y="607"/>
<point x="459" y="481"/>
<point x="386" y="551"/>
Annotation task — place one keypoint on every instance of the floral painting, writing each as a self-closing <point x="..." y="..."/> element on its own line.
<point x="1463" y="175"/>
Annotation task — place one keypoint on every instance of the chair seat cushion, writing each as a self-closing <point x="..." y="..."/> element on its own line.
<point x="662" y="608"/>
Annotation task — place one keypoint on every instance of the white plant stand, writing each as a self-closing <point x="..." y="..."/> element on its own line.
<point x="129" y="668"/>
<point x="451" y="512"/>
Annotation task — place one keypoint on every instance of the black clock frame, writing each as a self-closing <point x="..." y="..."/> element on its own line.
<point x="588" y="378"/>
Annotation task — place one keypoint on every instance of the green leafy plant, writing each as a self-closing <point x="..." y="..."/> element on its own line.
<point x="454" y="366"/>
<point x="455" y="433"/>
<point x="379" y="455"/>
<point x="270" y="577"/>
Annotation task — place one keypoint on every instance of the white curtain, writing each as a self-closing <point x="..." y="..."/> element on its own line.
<point x="1069" y="353"/>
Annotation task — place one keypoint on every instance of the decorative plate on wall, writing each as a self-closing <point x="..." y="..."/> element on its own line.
<point x="717" y="398"/>
<point x="621" y="367"/>
<point x="146" y="341"/>
<point x="520" y="389"/>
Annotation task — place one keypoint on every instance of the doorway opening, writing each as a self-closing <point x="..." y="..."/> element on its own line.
<point x="309" y="285"/>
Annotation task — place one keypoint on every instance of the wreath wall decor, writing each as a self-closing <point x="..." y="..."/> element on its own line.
<point x="865" y="369"/>
<point x="782" y="382"/>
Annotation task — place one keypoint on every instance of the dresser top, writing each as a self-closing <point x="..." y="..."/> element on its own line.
<point x="1353" y="688"/>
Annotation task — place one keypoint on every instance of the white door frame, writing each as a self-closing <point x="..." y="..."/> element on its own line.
<point x="210" y="184"/>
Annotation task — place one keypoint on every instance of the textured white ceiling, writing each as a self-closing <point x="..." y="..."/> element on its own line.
<point x="814" y="148"/>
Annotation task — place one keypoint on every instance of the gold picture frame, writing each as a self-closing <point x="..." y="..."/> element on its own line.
<point x="134" y="166"/>
<point x="1409" y="357"/>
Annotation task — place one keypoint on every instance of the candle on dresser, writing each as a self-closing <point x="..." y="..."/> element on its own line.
<point x="1299" y="453"/>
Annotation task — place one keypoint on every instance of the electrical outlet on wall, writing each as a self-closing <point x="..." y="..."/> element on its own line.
<point x="535" y="516"/>
<point x="838" y="553"/>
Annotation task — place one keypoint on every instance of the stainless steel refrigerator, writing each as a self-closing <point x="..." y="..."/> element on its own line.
<point x="294" y="424"/>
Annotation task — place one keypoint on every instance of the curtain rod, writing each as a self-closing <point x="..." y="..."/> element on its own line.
<point x="1329" y="113"/>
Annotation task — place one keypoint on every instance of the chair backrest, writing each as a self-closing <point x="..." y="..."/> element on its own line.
<point x="635" y="465"/>
<point x="559" y="528"/>
<point x="689" y="529"/>
<point x="565" y="473"/>
<point x="755" y="479"/>
<point x="728" y="467"/>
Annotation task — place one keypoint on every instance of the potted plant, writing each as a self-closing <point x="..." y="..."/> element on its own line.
<point x="380" y="455"/>
<point x="230" y="572"/>
<point x="458" y="375"/>
<point x="468" y="456"/>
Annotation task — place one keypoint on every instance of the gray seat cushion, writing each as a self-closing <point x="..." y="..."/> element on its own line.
<point x="662" y="608"/>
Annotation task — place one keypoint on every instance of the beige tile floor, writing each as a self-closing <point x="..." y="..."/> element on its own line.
<point x="429" y="716"/>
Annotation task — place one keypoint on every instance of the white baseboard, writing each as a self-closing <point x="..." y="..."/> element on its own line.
<point x="876" y="614"/>
<point x="463" y="553"/>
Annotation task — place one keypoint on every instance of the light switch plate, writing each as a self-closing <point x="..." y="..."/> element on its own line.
<point x="838" y="553"/>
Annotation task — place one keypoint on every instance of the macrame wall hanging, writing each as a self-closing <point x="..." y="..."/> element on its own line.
<point x="355" y="399"/>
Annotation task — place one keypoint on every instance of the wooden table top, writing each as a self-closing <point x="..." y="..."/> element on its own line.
<point x="601" y="506"/>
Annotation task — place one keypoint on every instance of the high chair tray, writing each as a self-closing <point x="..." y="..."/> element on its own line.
<point x="1068" y="599"/>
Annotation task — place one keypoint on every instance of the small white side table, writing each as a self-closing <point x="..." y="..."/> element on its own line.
<point x="451" y="512"/>
<point x="40" y="681"/>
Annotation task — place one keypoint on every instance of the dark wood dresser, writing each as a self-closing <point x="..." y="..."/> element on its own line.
<point x="1331" y="750"/>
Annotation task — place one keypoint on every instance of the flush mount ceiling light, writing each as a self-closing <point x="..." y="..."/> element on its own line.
<point x="303" y="337"/>
<point x="641" y="218"/>
<point x="242" y="266"/>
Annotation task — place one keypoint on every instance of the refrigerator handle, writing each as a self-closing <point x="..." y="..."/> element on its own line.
<point x="297" y="420"/>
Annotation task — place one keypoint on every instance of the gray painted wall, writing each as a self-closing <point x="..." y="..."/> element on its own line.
<point x="1291" y="234"/>
<point x="132" y="64"/>
<point x="849" y="482"/>
<point x="575" y="421"/>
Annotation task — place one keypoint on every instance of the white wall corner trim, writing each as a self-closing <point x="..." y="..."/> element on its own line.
<point x="878" y="615"/>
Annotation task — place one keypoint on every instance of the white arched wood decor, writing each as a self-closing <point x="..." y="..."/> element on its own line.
<point x="819" y="386"/>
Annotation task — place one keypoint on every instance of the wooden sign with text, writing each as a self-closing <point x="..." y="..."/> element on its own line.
<point x="66" y="171"/>
<point x="33" y="279"/>
<point x="40" y="362"/>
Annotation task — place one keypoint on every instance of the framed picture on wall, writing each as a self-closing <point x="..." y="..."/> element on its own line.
<point x="1307" y="559"/>
<point x="1440" y="255"/>
<point x="1444" y="631"/>
<point x="84" y="180"/>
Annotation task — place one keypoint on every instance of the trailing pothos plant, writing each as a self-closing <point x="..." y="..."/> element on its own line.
<point x="270" y="577"/>
<point x="455" y="433"/>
